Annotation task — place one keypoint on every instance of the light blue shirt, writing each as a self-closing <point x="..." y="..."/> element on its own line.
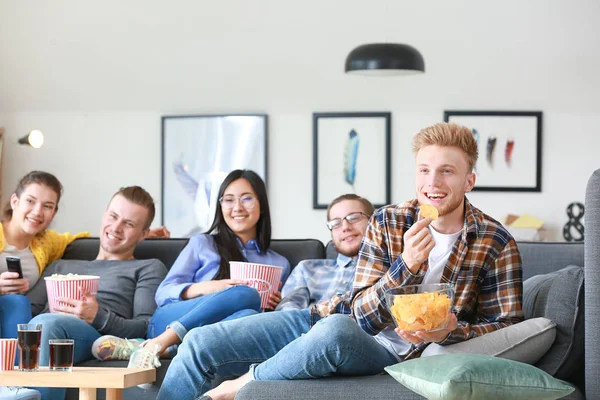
<point x="315" y="281"/>
<point x="199" y="261"/>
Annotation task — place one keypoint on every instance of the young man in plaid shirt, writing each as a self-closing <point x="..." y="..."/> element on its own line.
<point x="463" y="246"/>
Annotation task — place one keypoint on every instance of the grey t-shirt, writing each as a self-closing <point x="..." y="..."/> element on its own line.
<point x="125" y="292"/>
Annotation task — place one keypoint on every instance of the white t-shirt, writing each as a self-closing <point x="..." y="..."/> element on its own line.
<point x="438" y="257"/>
<point x="30" y="268"/>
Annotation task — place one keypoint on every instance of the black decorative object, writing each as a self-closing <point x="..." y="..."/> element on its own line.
<point x="385" y="59"/>
<point x="574" y="223"/>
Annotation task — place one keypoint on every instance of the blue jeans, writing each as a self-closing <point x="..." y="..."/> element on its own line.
<point x="60" y="326"/>
<point x="14" y="309"/>
<point x="236" y="301"/>
<point x="282" y="344"/>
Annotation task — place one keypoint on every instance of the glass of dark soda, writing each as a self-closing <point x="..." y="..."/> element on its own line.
<point x="28" y="340"/>
<point x="61" y="354"/>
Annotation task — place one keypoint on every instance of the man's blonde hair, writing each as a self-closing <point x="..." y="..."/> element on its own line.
<point x="448" y="134"/>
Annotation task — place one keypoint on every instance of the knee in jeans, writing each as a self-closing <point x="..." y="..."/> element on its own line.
<point x="335" y="328"/>
<point x="17" y="300"/>
<point x="198" y="340"/>
<point x="245" y="296"/>
<point x="51" y="324"/>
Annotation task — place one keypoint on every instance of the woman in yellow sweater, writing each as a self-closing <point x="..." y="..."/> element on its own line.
<point x="30" y="211"/>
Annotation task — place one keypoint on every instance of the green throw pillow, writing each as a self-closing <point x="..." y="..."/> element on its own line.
<point x="475" y="376"/>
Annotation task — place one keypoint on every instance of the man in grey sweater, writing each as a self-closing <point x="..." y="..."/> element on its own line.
<point x="125" y="302"/>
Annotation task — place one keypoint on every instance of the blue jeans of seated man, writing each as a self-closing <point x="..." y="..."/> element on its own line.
<point x="14" y="309"/>
<point x="60" y="326"/>
<point x="282" y="344"/>
<point x="233" y="302"/>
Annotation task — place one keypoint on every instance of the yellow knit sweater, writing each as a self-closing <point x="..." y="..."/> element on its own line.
<point x="47" y="246"/>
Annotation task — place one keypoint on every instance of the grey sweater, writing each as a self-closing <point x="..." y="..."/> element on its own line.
<point x="125" y="292"/>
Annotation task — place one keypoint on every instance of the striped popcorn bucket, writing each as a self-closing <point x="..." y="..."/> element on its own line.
<point x="264" y="278"/>
<point x="68" y="287"/>
<point x="8" y="351"/>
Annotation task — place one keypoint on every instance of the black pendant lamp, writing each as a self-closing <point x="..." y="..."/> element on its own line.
<point x="383" y="59"/>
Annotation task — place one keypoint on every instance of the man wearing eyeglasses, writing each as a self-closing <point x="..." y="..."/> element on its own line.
<point x="326" y="283"/>
<point x="315" y="281"/>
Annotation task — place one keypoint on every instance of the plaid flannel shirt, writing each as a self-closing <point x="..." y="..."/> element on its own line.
<point x="485" y="267"/>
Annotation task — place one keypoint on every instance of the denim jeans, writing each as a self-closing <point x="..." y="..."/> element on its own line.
<point x="61" y="326"/>
<point x="14" y="309"/>
<point x="231" y="303"/>
<point x="282" y="344"/>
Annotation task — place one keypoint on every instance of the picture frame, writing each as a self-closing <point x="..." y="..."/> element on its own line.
<point x="198" y="152"/>
<point x="510" y="148"/>
<point x="352" y="154"/>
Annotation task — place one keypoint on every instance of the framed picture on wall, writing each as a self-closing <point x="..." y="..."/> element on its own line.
<point x="351" y="154"/>
<point x="510" y="148"/>
<point x="198" y="151"/>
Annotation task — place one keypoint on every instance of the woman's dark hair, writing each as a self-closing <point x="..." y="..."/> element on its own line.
<point x="39" y="177"/>
<point x="225" y="239"/>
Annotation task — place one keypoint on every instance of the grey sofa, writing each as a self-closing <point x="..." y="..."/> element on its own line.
<point x="539" y="259"/>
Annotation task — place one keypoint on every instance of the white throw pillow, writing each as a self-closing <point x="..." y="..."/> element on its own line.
<point x="526" y="342"/>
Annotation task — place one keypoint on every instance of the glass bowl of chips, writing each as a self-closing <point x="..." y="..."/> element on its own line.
<point x="425" y="307"/>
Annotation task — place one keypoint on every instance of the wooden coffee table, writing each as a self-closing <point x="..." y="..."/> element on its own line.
<point x="87" y="379"/>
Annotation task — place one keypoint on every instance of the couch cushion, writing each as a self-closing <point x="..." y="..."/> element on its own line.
<point x="475" y="376"/>
<point x="526" y="342"/>
<point x="296" y="250"/>
<point x="545" y="257"/>
<point x="358" y="387"/>
<point x="166" y="250"/>
<point x="558" y="296"/>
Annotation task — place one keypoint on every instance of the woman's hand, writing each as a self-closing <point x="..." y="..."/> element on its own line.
<point x="10" y="283"/>
<point x="275" y="299"/>
<point x="208" y="287"/>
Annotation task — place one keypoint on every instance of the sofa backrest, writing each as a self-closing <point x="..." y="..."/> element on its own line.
<point x="167" y="250"/>
<point x="538" y="257"/>
<point x="544" y="257"/>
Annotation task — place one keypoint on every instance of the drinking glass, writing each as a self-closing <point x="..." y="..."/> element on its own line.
<point x="28" y="339"/>
<point x="61" y="354"/>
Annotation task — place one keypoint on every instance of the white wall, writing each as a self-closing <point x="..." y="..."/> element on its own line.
<point x="96" y="78"/>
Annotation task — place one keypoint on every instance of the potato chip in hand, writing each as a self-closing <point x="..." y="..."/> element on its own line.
<point x="429" y="211"/>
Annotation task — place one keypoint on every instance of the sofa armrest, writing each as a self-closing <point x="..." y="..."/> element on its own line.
<point x="592" y="286"/>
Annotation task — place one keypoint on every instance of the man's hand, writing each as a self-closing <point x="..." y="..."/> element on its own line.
<point x="203" y="288"/>
<point x="418" y="243"/>
<point x="161" y="232"/>
<point x="274" y="299"/>
<point x="84" y="309"/>
<point x="428" y="337"/>
<point x="11" y="284"/>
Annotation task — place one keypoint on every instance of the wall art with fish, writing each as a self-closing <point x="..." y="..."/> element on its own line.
<point x="351" y="154"/>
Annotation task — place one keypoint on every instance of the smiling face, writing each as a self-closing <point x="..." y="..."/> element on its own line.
<point x="243" y="211"/>
<point x="122" y="228"/>
<point x="348" y="237"/>
<point x="34" y="210"/>
<point x="443" y="177"/>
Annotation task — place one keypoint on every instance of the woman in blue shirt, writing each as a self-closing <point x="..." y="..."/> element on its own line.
<point x="198" y="289"/>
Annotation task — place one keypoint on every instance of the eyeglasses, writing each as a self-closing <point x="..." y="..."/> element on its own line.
<point x="351" y="218"/>
<point x="247" y="201"/>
